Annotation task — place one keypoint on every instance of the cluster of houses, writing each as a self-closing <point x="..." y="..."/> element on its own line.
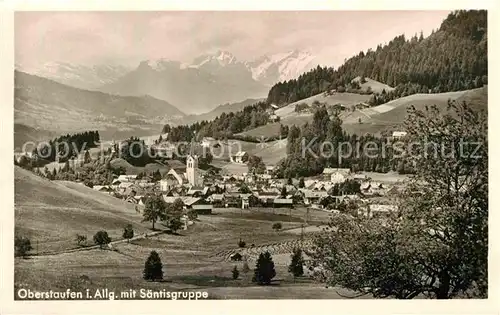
<point x="202" y="193"/>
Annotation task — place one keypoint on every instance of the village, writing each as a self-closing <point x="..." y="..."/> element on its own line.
<point x="336" y="190"/>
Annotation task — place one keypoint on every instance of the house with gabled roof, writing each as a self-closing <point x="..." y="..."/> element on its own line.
<point x="313" y="196"/>
<point x="240" y="157"/>
<point x="340" y="175"/>
<point x="198" y="191"/>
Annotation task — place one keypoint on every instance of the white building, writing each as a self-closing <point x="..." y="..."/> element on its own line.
<point x="340" y="175"/>
<point x="171" y="179"/>
<point x="240" y="157"/>
<point x="192" y="171"/>
<point x="399" y="134"/>
<point x="127" y="178"/>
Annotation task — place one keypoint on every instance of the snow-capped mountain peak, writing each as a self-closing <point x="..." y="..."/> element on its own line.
<point x="161" y="64"/>
<point x="220" y="58"/>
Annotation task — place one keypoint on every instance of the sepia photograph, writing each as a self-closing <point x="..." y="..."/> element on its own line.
<point x="250" y="155"/>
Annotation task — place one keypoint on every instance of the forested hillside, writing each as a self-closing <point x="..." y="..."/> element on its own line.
<point x="450" y="59"/>
<point x="225" y="125"/>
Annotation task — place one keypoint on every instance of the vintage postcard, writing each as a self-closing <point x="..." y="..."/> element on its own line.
<point x="250" y="155"/>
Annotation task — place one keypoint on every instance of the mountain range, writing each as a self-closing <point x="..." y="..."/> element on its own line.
<point x="195" y="87"/>
<point x="43" y="107"/>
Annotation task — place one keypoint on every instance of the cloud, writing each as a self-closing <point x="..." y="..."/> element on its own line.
<point x="95" y="37"/>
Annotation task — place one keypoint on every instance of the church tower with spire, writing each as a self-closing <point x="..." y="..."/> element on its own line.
<point x="192" y="170"/>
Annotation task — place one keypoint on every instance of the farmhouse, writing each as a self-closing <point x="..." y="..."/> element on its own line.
<point x="217" y="199"/>
<point x="340" y="175"/>
<point x="197" y="191"/>
<point x="202" y="208"/>
<point x="283" y="202"/>
<point x="267" y="198"/>
<point x="240" y="157"/>
<point x="171" y="179"/>
<point x="274" y="118"/>
<point x="359" y="177"/>
<point x="127" y="178"/>
<point x="312" y="196"/>
<point x="194" y="203"/>
<point x="377" y="210"/>
<point x="399" y="134"/>
<point x="124" y="185"/>
<point x="100" y="188"/>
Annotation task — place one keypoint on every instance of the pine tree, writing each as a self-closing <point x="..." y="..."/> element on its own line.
<point x="296" y="265"/>
<point x="283" y="192"/>
<point x="153" y="267"/>
<point x="264" y="269"/>
<point x="302" y="183"/>
<point x="235" y="272"/>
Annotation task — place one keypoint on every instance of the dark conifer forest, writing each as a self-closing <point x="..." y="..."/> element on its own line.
<point x="452" y="58"/>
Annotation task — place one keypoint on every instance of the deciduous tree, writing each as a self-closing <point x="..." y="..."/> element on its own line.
<point x="436" y="244"/>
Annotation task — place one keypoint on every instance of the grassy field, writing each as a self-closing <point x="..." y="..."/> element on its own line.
<point x="375" y="86"/>
<point x="375" y="119"/>
<point x="196" y="259"/>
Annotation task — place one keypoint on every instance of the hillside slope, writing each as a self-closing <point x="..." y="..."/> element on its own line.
<point x="43" y="104"/>
<point x="453" y="58"/>
<point x="375" y="119"/>
<point x="51" y="213"/>
<point x="392" y="114"/>
<point x="375" y="86"/>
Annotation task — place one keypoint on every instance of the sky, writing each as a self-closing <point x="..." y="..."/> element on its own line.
<point x="129" y="37"/>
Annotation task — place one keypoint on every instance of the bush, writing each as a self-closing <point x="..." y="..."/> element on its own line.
<point x="22" y="246"/>
<point x="81" y="239"/>
<point x="296" y="266"/>
<point x="192" y="215"/>
<point x="175" y="224"/>
<point x="128" y="232"/>
<point x="277" y="226"/>
<point x="102" y="238"/>
<point x="241" y="243"/>
<point x="153" y="268"/>
<point x="235" y="272"/>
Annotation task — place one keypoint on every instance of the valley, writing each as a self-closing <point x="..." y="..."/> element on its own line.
<point x="270" y="176"/>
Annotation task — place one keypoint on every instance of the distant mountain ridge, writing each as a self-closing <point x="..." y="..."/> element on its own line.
<point x="196" y="87"/>
<point x="48" y="107"/>
<point x="77" y="75"/>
